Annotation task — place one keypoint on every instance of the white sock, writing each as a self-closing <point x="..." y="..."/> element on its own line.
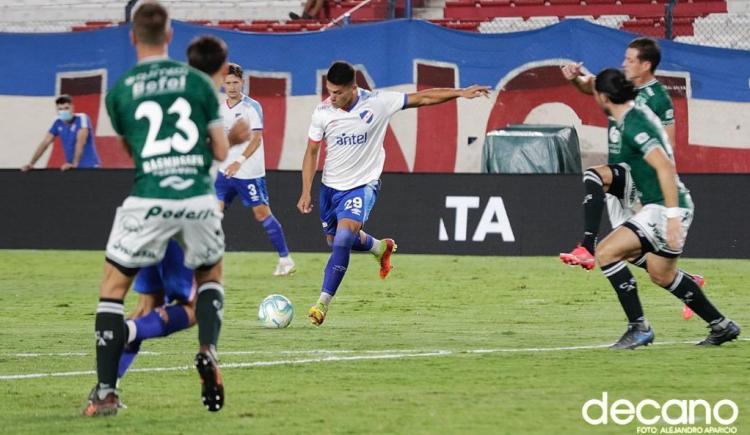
<point x="325" y="298"/>
<point x="375" y="250"/>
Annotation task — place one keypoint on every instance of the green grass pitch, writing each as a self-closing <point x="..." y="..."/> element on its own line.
<point x="464" y="345"/>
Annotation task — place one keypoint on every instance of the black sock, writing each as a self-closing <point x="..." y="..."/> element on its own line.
<point x="624" y="283"/>
<point x="593" y="206"/>
<point x="688" y="291"/>
<point x="640" y="262"/>
<point x="111" y="334"/>
<point x="209" y="311"/>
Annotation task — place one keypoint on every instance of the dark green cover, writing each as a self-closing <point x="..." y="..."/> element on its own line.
<point x="532" y="149"/>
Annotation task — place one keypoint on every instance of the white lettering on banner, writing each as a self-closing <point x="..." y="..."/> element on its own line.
<point x="494" y="219"/>
<point x="672" y="412"/>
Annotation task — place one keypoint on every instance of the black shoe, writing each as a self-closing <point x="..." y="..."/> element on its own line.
<point x="635" y="336"/>
<point x="721" y="334"/>
<point x="212" y="389"/>
<point x="294" y="16"/>
<point x="106" y="407"/>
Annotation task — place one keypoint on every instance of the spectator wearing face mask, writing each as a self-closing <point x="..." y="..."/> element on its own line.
<point x="76" y="137"/>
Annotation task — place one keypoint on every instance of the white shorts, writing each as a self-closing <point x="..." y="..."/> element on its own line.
<point x="143" y="226"/>
<point x="618" y="214"/>
<point x="650" y="225"/>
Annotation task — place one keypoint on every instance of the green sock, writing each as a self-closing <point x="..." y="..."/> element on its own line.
<point x="209" y="311"/>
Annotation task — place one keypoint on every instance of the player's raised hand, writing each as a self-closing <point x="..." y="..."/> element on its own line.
<point x="239" y="133"/>
<point x="572" y="70"/>
<point x="474" y="91"/>
<point x="304" y="205"/>
<point x="67" y="167"/>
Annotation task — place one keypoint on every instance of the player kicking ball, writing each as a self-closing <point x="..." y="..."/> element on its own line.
<point x="354" y="122"/>
<point x="660" y="227"/>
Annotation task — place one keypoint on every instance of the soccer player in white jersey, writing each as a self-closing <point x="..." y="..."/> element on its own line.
<point x="243" y="173"/>
<point x="353" y="123"/>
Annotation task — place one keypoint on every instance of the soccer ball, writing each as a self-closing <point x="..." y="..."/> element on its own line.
<point x="275" y="311"/>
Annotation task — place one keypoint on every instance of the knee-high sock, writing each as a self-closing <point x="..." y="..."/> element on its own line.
<point x="361" y="246"/>
<point x="688" y="291"/>
<point x="276" y="235"/>
<point x="593" y="207"/>
<point x="625" y="285"/>
<point x="110" y="332"/>
<point x="209" y="311"/>
<point x="338" y="261"/>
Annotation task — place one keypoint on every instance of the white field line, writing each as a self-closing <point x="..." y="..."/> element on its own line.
<point x="369" y="355"/>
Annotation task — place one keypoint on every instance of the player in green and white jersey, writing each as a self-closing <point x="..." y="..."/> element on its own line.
<point x="612" y="181"/>
<point x="166" y="114"/>
<point x="660" y="226"/>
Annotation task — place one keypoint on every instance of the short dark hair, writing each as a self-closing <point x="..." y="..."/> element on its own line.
<point x="648" y="51"/>
<point x="235" y="70"/>
<point x="341" y="73"/>
<point x="64" y="99"/>
<point x="207" y="53"/>
<point x="613" y="83"/>
<point x="150" y="23"/>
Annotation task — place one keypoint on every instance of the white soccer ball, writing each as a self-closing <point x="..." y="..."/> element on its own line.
<point x="276" y="311"/>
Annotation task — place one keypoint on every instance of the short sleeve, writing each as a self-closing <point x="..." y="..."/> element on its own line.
<point x="114" y="119"/>
<point x="317" y="129"/>
<point x="255" y="115"/>
<point x="645" y="141"/>
<point x="84" y="121"/>
<point x="391" y="101"/>
<point x="53" y="130"/>
<point x="661" y="105"/>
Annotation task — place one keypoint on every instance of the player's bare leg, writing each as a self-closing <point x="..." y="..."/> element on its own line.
<point x="664" y="273"/>
<point x="618" y="246"/>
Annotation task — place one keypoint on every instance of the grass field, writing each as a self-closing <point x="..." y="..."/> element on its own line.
<point x="445" y="345"/>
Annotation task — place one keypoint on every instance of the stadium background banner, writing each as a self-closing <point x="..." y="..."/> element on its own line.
<point x="426" y="213"/>
<point x="709" y="87"/>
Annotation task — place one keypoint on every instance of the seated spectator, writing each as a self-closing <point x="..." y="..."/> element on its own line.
<point x="76" y="137"/>
<point x="311" y="10"/>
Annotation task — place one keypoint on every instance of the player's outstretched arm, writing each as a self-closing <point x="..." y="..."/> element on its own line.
<point x="40" y="149"/>
<point x="575" y="74"/>
<point x="219" y="142"/>
<point x="309" y="165"/>
<point x="429" y="97"/>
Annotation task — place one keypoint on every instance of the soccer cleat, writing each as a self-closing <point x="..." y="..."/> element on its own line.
<point x="721" y="334"/>
<point x="317" y="313"/>
<point x="285" y="267"/>
<point x="387" y="248"/>
<point x="580" y="256"/>
<point x="634" y="337"/>
<point x="212" y="388"/>
<point x="687" y="312"/>
<point x="105" y="407"/>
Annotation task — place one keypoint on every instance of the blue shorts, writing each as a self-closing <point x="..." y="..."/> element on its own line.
<point x="252" y="192"/>
<point x="170" y="276"/>
<point x="354" y="204"/>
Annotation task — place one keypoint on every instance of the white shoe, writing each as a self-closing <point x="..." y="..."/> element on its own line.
<point x="285" y="267"/>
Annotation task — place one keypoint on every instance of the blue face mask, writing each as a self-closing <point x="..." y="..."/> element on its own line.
<point x="65" y="115"/>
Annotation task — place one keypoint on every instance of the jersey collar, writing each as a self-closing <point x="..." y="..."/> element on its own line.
<point x="240" y="101"/>
<point x="645" y="85"/>
<point x="153" y="58"/>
